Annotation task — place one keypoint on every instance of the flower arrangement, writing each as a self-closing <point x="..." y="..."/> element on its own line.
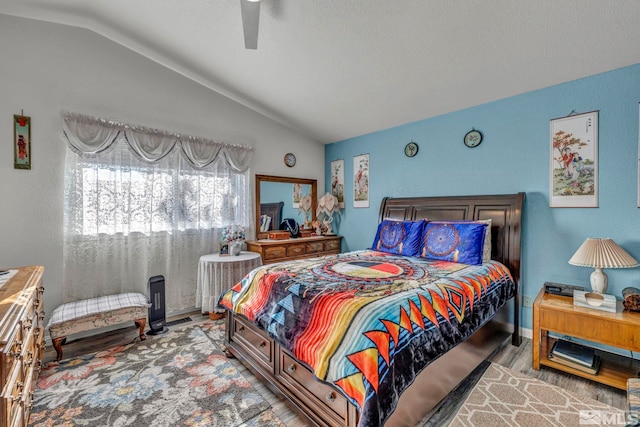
<point x="233" y="233"/>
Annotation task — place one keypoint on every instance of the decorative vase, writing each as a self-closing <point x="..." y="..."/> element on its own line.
<point x="235" y="248"/>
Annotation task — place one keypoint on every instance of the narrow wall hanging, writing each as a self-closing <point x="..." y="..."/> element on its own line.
<point x="337" y="181"/>
<point x="574" y="161"/>
<point x="21" y="142"/>
<point x="361" y="181"/>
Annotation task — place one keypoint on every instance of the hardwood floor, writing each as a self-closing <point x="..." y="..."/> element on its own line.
<point x="515" y="358"/>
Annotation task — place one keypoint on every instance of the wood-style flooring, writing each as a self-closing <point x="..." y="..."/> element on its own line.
<point x="515" y="358"/>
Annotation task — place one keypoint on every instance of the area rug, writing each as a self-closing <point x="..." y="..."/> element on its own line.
<point x="179" y="379"/>
<point x="503" y="397"/>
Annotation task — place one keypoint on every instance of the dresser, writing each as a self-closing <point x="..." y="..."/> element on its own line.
<point x="21" y="343"/>
<point x="304" y="247"/>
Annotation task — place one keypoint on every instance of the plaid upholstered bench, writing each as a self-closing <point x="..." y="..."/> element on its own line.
<point x="86" y="315"/>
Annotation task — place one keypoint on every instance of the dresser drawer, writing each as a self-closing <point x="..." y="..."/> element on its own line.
<point x="254" y="341"/>
<point x="314" y="247"/>
<point x="29" y="354"/>
<point x="11" y="405"/>
<point x="27" y="396"/>
<point x="295" y="250"/>
<point x="275" y="252"/>
<point x="332" y="245"/>
<point x="21" y="345"/>
<point x="297" y="377"/>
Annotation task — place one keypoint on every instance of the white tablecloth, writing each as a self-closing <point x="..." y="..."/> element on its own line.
<point x="216" y="274"/>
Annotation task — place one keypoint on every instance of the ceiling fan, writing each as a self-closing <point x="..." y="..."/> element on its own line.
<point x="250" y="21"/>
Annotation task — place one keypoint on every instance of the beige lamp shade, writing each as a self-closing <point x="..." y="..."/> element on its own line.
<point x="599" y="254"/>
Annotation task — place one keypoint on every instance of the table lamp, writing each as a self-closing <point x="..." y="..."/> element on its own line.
<point x="599" y="254"/>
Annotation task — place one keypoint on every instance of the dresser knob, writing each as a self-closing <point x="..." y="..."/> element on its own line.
<point x="331" y="397"/>
<point x="291" y="368"/>
<point x="263" y="344"/>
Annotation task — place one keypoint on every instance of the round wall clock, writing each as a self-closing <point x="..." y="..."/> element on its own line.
<point x="290" y="160"/>
<point x="473" y="138"/>
<point x="411" y="149"/>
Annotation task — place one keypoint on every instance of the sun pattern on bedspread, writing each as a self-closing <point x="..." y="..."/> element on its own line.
<point x="369" y="322"/>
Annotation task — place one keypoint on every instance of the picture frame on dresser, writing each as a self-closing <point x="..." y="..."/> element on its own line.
<point x="224" y="249"/>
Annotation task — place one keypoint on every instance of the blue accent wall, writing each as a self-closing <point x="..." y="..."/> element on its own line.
<point x="514" y="156"/>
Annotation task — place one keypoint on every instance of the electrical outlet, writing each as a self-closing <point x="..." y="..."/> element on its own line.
<point x="527" y="301"/>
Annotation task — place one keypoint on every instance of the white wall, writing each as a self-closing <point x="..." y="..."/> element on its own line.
<point x="47" y="68"/>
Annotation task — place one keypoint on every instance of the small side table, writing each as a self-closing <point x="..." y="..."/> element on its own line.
<point x="216" y="274"/>
<point x="557" y="314"/>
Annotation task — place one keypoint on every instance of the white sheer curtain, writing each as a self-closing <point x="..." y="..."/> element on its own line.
<point x="142" y="202"/>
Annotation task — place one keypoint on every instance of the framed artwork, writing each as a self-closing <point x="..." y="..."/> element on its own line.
<point x="297" y="195"/>
<point x="337" y="181"/>
<point x="21" y="142"/>
<point x="361" y="181"/>
<point x="224" y="249"/>
<point x="574" y="161"/>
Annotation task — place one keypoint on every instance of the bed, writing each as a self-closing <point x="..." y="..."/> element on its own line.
<point x="377" y="337"/>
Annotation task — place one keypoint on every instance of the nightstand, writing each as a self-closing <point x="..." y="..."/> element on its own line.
<point x="557" y="314"/>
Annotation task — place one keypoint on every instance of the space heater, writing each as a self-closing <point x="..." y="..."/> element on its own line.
<point x="157" y="312"/>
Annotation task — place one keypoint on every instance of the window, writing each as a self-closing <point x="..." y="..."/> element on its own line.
<point x="140" y="203"/>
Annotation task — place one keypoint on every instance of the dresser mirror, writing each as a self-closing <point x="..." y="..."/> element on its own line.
<point x="275" y="199"/>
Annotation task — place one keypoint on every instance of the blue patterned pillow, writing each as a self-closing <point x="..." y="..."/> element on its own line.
<point x="453" y="241"/>
<point x="399" y="237"/>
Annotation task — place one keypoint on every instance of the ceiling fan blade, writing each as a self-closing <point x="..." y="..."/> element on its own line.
<point x="250" y="21"/>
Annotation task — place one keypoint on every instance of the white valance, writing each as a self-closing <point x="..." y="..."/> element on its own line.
<point x="90" y="135"/>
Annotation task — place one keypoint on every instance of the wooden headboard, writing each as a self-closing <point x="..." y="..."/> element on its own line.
<point x="504" y="210"/>
<point x="274" y="211"/>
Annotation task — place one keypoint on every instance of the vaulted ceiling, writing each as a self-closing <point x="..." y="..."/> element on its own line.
<point x="334" y="69"/>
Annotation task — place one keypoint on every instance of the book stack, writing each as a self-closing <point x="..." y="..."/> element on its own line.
<point x="575" y="356"/>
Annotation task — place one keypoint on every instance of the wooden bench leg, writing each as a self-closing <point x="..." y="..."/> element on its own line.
<point x="57" y="344"/>
<point x="141" y="323"/>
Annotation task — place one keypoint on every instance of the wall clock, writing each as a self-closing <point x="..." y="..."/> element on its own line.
<point x="290" y="160"/>
<point x="411" y="149"/>
<point x="473" y="138"/>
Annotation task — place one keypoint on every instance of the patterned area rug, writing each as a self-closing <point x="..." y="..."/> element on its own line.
<point x="503" y="397"/>
<point x="179" y="379"/>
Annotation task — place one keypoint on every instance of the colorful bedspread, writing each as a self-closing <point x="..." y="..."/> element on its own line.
<point x="368" y="322"/>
